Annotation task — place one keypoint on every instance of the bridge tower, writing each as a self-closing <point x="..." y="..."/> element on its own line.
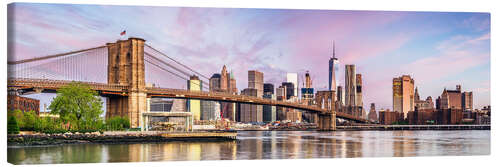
<point x="126" y="67"/>
<point x="326" y="100"/>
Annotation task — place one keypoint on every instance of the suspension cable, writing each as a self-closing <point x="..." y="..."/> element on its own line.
<point x="175" y="74"/>
<point x="51" y="56"/>
<point x="163" y="54"/>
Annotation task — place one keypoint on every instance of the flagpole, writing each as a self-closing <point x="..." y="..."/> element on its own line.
<point x="123" y="34"/>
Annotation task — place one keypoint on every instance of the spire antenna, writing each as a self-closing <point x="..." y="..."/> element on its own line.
<point x="333" y="49"/>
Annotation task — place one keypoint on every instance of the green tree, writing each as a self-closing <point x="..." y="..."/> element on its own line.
<point x="19" y="117"/>
<point x="29" y="120"/>
<point x="39" y="124"/>
<point x="79" y="105"/>
<point x="12" y="127"/>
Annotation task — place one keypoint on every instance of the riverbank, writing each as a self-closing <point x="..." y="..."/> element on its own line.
<point x="116" y="137"/>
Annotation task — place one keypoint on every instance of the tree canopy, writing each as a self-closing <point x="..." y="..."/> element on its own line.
<point x="77" y="104"/>
<point x="12" y="127"/>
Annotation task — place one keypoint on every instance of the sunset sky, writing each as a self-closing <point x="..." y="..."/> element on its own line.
<point x="438" y="49"/>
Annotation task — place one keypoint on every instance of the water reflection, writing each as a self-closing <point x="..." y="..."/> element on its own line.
<point x="269" y="145"/>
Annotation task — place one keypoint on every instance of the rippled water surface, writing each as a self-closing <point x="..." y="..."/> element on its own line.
<point x="269" y="145"/>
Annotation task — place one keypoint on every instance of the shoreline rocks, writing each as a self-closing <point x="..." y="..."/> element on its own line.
<point x="86" y="138"/>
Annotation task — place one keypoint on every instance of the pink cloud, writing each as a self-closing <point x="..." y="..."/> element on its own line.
<point x="454" y="56"/>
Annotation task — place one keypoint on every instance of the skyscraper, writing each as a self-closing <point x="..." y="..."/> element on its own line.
<point x="194" y="106"/>
<point x="256" y="81"/>
<point x="308" y="80"/>
<point x="232" y="84"/>
<point x="269" y="112"/>
<point x="467" y="103"/>
<point x="281" y="93"/>
<point x="233" y="90"/>
<point x="340" y="96"/>
<point x="224" y="79"/>
<point x="332" y="83"/>
<point x="227" y="109"/>
<point x="210" y="110"/>
<point x="372" y="115"/>
<point x="293" y="78"/>
<point x="403" y="93"/>
<point x="280" y="96"/>
<point x="250" y="112"/>
<point x="336" y="64"/>
<point x="359" y="92"/>
<point x="289" y="89"/>
<point x="350" y="85"/>
<point x="214" y="84"/>
<point x="268" y="88"/>
<point x="308" y="91"/>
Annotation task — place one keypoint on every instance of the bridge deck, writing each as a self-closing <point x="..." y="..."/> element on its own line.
<point x="23" y="83"/>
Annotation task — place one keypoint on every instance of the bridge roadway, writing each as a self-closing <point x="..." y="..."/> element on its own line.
<point x="39" y="85"/>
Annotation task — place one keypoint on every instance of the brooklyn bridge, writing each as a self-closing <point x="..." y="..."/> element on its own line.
<point x="119" y="72"/>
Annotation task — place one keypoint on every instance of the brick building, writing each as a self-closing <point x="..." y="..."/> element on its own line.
<point x="451" y="99"/>
<point x="24" y="104"/>
<point x="388" y="117"/>
<point x="422" y="117"/>
<point x="449" y="116"/>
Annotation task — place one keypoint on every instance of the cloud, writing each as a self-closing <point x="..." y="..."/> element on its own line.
<point x="484" y="88"/>
<point x="477" y="23"/>
<point x="461" y="42"/>
<point x="456" y="55"/>
<point x="272" y="41"/>
<point x="453" y="56"/>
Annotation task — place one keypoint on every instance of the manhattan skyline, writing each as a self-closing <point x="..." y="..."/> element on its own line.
<point x="438" y="49"/>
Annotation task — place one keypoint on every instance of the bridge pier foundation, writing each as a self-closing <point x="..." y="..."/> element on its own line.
<point x="326" y="122"/>
<point x="116" y="106"/>
<point x="131" y="106"/>
<point x="326" y="100"/>
<point x="137" y="105"/>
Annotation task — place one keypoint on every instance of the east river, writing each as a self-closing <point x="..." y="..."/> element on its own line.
<point x="269" y="145"/>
